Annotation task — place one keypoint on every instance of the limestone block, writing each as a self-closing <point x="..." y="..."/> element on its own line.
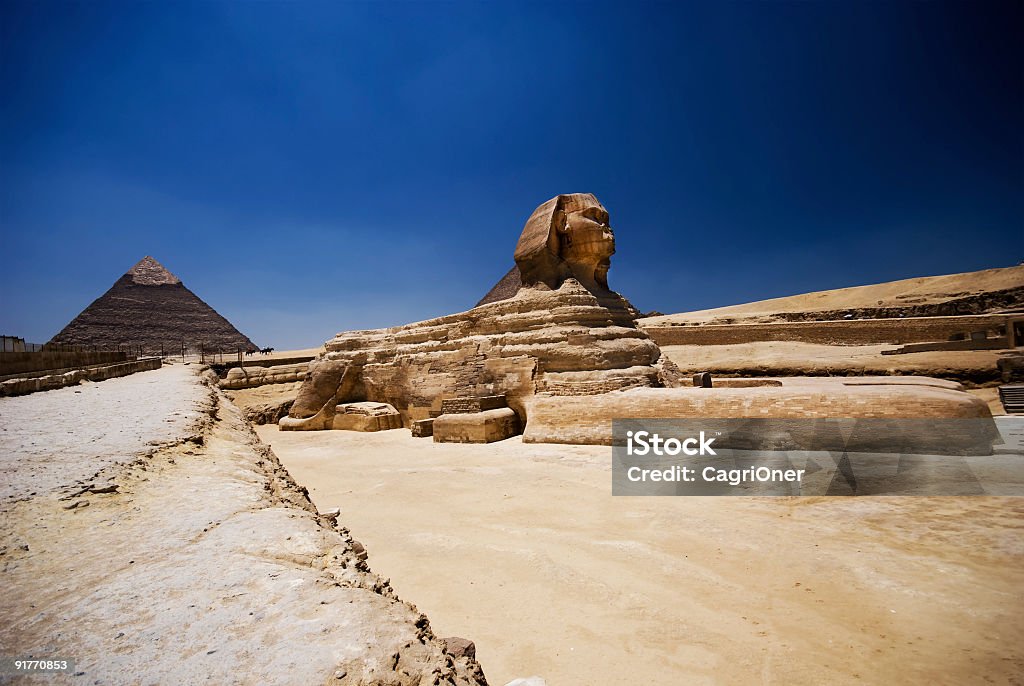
<point x="324" y="419"/>
<point x="422" y="428"/>
<point x="366" y="416"/>
<point x="252" y="377"/>
<point x="321" y="383"/>
<point x="477" y="427"/>
<point x="588" y="420"/>
<point x="477" y="404"/>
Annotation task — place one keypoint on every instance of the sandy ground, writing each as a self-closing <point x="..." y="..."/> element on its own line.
<point x="522" y="548"/>
<point x="148" y="536"/>
<point x="790" y="357"/>
<point x="917" y="291"/>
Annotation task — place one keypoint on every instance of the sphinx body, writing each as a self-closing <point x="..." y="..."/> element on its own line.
<point x="563" y="333"/>
<point x="562" y="342"/>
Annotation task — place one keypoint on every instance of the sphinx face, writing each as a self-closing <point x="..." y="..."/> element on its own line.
<point x="587" y="238"/>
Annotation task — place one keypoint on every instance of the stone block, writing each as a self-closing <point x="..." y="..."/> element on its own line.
<point x="459" y="647"/>
<point x="476" y="427"/>
<point x="702" y="380"/>
<point x="468" y="405"/>
<point x="366" y="417"/>
<point x="422" y="428"/>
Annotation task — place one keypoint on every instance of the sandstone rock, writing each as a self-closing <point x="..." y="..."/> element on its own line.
<point x="563" y="332"/>
<point x="366" y="416"/>
<point x="568" y="236"/>
<point x="251" y="377"/>
<point x="459" y="647"/>
<point x="476" y="427"/>
<point x="324" y="419"/>
<point x="322" y="380"/>
<point x="268" y="413"/>
<point x="478" y="404"/>
<point x="567" y="341"/>
<point x="579" y="420"/>
<point x="422" y="428"/>
<point x="1011" y="368"/>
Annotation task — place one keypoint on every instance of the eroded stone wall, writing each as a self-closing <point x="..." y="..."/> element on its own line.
<point x="853" y="332"/>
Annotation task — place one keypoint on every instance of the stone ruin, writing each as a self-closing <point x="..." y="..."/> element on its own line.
<point x="565" y="352"/>
<point x="563" y="333"/>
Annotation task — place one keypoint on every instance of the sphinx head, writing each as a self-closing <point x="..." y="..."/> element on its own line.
<point x="566" y="237"/>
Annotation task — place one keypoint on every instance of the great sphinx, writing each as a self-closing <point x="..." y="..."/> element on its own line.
<point x="564" y="332"/>
<point x="565" y="351"/>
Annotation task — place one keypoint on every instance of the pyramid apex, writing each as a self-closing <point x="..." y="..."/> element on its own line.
<point x="149" y="272"/>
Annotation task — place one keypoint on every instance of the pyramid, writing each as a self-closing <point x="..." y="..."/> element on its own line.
<point x="149" y="307"/>
<point x="506" y="287"/>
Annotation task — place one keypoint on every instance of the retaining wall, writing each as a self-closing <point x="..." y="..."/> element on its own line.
<point x="852" y="332"/>
<point x="100" y="373"/>
<point x="18" y="363"/>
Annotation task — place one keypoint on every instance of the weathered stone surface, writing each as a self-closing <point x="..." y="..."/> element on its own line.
<point x="322" y="381"/>
<point x="567" y="341"/>
<point x="1011" y="368"/>
<point x="589" y="420"/>
<point x="476" y="427"/>
<point x="702" y="380"/>
<point x="567" y="236"/>
<point x="459" y="647"/>
<point x="366" y="416"/>
<point x="422" y="428"/>
<point x="478" y="404"/>
<point x="49" y="382"/>
<point x="563" y="332"/>
<point x="251" y="377"/>
<point x="267" y="413"/>
<point x="187" y="550"/>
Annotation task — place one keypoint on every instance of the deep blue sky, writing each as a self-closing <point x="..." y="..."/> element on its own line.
<point x="309" y="168"/>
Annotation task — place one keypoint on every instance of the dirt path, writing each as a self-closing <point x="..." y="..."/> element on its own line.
<point x="523" y="548"/>
<point x="196" y="562"/>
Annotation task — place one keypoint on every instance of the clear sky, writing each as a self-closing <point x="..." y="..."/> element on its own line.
<point x="308" y="168"/>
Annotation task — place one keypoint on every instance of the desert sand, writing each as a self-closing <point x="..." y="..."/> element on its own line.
<point x="920" y="291"/>
<point x="523" y="549"/>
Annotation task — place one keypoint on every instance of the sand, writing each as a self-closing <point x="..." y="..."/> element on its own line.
<point x="522" y="549"/>
<point x="923" y="290"/>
